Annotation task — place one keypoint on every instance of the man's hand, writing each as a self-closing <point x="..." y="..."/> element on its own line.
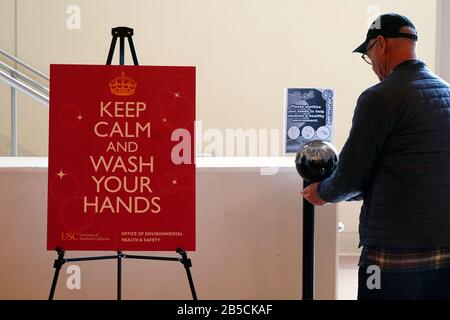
<point x="310" y="193"/>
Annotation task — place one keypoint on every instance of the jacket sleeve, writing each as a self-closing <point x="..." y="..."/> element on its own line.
<point x="371" y="124"/>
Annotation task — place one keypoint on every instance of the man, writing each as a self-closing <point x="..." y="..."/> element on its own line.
<point x="397" y="160"/>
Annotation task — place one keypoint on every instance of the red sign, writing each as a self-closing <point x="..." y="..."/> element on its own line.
<point x="121" y="170"/>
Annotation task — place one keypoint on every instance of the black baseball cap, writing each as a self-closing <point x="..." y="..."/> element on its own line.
<point x="387" y="25"/>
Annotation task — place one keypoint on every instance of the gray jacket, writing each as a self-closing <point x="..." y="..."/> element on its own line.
<point x="397" y="160"/>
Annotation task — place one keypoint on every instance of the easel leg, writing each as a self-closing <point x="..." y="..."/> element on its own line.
<point x="187" y="264"/>
<point x="111" y="50"/>
<point x="57" y="265"/>
<point x="122" y="51"/>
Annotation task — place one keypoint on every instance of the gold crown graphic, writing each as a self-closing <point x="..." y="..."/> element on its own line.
<point x="122" y="85"/>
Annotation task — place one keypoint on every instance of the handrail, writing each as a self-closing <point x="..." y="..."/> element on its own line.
<point x="24" y="64"/>
<point x="24" y="88"/>
<point x="19" y="81"/>
<point x="20" y="75"/>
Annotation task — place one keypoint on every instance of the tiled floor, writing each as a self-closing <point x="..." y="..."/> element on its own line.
<point x="347" y="278"/>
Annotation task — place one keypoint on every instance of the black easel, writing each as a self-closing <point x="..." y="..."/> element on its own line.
<point x="121" y="32"/>
<point x="308" y="249"/>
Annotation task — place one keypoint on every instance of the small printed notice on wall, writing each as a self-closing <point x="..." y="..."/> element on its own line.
<point x="308" y="116"/>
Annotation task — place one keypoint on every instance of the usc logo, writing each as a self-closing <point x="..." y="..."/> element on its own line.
<point x="69" y="236"/>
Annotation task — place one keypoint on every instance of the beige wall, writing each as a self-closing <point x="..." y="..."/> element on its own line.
<point x="443" y="42"/>
<point x="248" y="243"/>
<point x="7" y="42"/>
<point x="246" y="52"/>
<point x="7" y="24"/>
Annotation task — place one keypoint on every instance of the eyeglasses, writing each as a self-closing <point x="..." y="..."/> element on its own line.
<point x="365" y="57"/>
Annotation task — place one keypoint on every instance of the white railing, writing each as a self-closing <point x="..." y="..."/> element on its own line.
<point x="19" y="81"/>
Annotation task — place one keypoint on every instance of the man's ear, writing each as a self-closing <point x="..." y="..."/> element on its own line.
<point x="382" y="42"/>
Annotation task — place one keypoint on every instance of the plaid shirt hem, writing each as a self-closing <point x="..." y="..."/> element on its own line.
<point x="405" y="259"/>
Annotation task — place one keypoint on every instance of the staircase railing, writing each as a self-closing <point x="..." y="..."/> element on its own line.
<point x="17" y="80"/>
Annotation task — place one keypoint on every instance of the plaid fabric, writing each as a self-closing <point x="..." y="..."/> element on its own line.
<point x="405" y="259"/>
